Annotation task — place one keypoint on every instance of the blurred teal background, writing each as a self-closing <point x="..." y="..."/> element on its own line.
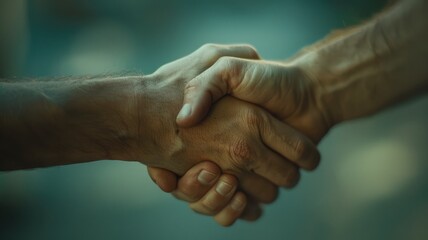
<point x="371" y="183"/>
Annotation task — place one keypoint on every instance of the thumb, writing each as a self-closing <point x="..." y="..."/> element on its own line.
<point x="204" y="90"/>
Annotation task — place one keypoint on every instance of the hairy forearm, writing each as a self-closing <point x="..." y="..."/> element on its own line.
<point x="47" y="123"/>
<point x="372" y="66"/>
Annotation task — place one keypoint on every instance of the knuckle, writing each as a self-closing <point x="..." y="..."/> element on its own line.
<point x="208" y="46"/>
<point x="229" y="67"/>
<point x="300" y="149"/>
<point x="226" y="62"/>
<point x="252" y="51"/>
<point x="201" y="209"/>
<point x="240" y="153"/>
<point x="251" y="117"/>
<point x="207" y="207"/>
<point x="241" y="198"/>
<point x="230" y="179"/>
<point x="179" y="195"/>
<point x="226" y="219"/>
<point x="189" y="188"/>
<point x="211" y="51"/>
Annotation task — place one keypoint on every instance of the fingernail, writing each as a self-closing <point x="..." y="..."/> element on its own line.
<point x="206" y="177"/>
<point x="184" y="112"/>
<point x="237" y="204"/>
<point x="223" y="188"/>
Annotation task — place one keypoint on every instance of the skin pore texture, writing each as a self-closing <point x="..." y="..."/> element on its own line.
<point x="350" y="74"/>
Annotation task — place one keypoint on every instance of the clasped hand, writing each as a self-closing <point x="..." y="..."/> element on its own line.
<point x="259" y="147"/>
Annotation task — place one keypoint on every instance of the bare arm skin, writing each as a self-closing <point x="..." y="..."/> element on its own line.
<point x="351" y="73"/>
<point x="133" y="119"/>
<point x="48" y="123"/>
<point x="374" y="66"/>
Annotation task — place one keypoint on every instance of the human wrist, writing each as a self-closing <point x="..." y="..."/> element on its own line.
<point x="158" y="100"/>
<point x="48" y="123"/>
<point x="98" y="120"/>
<point x="144" y="127"/>
<point x="342" y="69"/>
<point x="322" y="110"/>
<point x="326" y="98"/>
<point x="84" y="120"/>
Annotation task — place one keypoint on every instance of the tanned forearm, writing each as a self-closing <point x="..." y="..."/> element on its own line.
<point x="369" y="67"/>
<point x="47" y="123"/>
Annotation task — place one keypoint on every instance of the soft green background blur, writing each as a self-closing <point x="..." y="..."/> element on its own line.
<point x="371" y="183"/>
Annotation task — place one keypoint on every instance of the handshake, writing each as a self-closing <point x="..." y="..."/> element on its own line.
<point x="220" y="128"/>
<point x="260" y="135"/>
<point x="259" y="148"/>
